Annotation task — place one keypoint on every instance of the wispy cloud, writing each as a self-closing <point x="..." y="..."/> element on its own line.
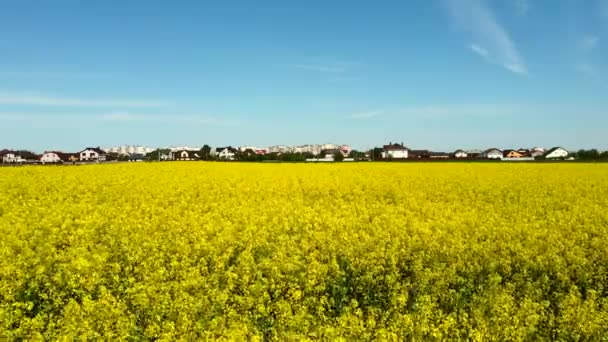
<point x="365" y="115"/>
<point x="480" y="51"/>
<point x="121" y="118"/>
<point x="522" y="7"/>
<point x="166" y="118"/>
<point x="460" y="111"/>
<point x="321" y="68"/>
<point x="54" y="75"/>
<point x="475" y="17"/>
<point x="589" y="42"/>
<point x="603" y="6"/>
<point x="39" y="100"/>
<point x="585" y="68"/>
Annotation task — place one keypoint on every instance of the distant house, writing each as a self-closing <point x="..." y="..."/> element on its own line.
<point x="474" y="153"/>
<point x="92" y="154"/>
<point x="185" y="155"/>
<point x="419" y="154"/>
<point x="439" y="155"/>
<point x="68" y="157"/>
<point x="330" y="153"/>
<point x="556" y="152"/>
<point x="11" y="157"/>
<point x="225" y="153"/>
<point x="50" y="157"/>
<point x="6" y="155"/>
<point x="394" y="151"/>
<point x="512" y="154"/>
<point x="492" y="153"/>
<point x="535" y="154"/>
<point x="460" y="154"/>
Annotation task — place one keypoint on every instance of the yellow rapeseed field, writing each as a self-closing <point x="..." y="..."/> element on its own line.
<point x="360" y="251"/>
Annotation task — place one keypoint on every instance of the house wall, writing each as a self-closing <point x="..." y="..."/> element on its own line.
<point x="9" y="158"/>
<point x="559" y="153"/>
<point x="400" y="154"/>
<point x="89" y="155"/>
<point x="494" y="155"/>
<point x="50" y="158"/>
<point x="460" y="154"/>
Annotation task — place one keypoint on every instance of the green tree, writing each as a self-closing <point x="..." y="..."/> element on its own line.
<point x="205" y="152"/>
<point x="158" y="154"/>
<point x="338" y="156"/>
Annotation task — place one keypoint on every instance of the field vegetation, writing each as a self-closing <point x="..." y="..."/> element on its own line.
<point x="360" y="251"/>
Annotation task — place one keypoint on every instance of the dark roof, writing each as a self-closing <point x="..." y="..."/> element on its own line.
<point x="420" y="152"/>
<point x="5" y="151"/>
<point x="459" y="150"/>
<point x="394" y="147"/>
<point x="66" y="156"/>
<point x="230" y="148"/>
<point x="96" y="149"/>
<point x="492" y="149"/>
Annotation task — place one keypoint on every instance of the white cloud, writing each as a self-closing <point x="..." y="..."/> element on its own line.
<point x="603" y="6"/>
<point x="321" y="68"/>
<point x="166" y="118"/>
<point x="53" y="75"/>
<point x="120" y="117"/>
<point x="522" y="7"/>
<point x="38" y="100"/>
<point x="364" y="115"/>
<point x="459" y="111"/>
<point x="475" y="17"/>
<point x="586" y="68"/>
<point x="589" y="42"/>
<point x="479" y="50"/>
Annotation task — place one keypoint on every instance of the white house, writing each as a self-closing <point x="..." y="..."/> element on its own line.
<point x="492" y="153"/>
<point x="460" y="154"/>
<point x="185" y="155"/>
<point x="556" y="152"/>
<point x="92" y="154"/>
<point x="11" y="157"/>
<point x="226" y="153"/>
<point x="394" y="151"/>
<point x="50" y="157"/>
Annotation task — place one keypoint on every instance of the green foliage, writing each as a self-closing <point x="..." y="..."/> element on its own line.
<point x="345" y="251"/>
<point x="205" y="153"/>
<point x="592" y="154"/>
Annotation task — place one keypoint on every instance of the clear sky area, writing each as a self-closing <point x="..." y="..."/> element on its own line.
<point x="434" y="74"/>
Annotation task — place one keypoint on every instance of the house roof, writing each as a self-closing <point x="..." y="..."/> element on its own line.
<point x="394" y="147"/>
<point x="420" y="152"/>
<point x="492" y="150"/>
<point x="230" y="148"/>
<point x="5" y="151"/>
<point x="458" y="151"/>
<point x="95" y="149"/>
<point x="66" y="156"/>
<point x="553" y="149"/>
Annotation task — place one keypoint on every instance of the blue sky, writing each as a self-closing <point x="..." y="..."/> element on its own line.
<point x="441" y="74"/>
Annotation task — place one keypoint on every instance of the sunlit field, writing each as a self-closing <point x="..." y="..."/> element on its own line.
<point x="238" y="251"/>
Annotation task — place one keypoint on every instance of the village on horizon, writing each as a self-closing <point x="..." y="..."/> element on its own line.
<point x="310" y="153"/>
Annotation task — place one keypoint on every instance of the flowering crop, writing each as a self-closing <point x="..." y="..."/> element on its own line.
<point x="235" y="251"/>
